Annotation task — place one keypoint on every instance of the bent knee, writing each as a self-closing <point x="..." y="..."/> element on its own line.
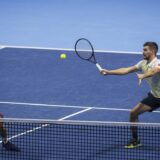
<point x="1" y="121"/>
<point x="133" y="114"/>
<point x="1" y="115"/>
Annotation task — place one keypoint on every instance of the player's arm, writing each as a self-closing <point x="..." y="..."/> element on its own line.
<point x="120" y="71"/>
<point x="149" y="73"/>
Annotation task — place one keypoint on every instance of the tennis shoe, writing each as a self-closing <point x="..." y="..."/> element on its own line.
<point x="10" y="146"/>
<point x="133" y="143"/>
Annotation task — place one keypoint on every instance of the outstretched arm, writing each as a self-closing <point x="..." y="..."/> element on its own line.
<point x="147" y="74"/>
<point x="120" y="71"/>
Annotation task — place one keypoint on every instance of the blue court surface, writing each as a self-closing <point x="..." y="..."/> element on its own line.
<point x="37" y="84"/>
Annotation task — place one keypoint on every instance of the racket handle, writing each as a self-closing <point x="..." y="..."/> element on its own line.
<point x="98" y="66"/>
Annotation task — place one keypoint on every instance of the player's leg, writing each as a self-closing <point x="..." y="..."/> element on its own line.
<point x="134" y="114"/>
<point x="3" y="133"/>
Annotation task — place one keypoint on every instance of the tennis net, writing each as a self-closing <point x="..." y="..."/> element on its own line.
<point x="79" y="140"/>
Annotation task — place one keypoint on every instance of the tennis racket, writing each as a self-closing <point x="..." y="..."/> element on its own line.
<point x="85" y="51"/>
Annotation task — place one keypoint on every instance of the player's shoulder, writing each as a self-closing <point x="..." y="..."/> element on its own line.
<point x="143" y="62"/>
<point x="140" y="64"/>
<point x="157" y="62"/>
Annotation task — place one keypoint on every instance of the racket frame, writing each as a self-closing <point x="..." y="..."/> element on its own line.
<point x="92" y="58"/>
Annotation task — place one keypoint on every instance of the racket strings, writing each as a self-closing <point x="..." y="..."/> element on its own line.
<point x="84" y="49"/>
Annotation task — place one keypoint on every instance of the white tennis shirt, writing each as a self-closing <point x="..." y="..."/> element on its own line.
<point x="154" y="81"/>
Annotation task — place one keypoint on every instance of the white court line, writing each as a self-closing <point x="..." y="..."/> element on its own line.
<point x="74" y="114"/>
<point x="67" y="49"/>
<point x="26" y="132"/>
<point x="1" y="47"/>
<point x="41" y="105"/>
<point x="46" y="125"/>
<point x="66" y="106"/>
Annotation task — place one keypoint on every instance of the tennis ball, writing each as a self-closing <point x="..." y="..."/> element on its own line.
<point x="63" y="56"/>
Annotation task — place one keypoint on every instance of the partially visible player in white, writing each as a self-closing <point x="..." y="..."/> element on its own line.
<point x="150" y="67"/>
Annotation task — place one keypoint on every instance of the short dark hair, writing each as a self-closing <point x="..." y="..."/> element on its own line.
<point x="152" y="45"/>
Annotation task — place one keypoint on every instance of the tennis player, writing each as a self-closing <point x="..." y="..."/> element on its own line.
<point x="3" y="133"/>
<point x="150" y="67"/>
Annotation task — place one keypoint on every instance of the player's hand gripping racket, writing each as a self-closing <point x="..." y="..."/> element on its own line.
<point x="85" y="51"/>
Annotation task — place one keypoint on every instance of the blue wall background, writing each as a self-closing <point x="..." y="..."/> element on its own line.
<point x="109" y="24"/>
